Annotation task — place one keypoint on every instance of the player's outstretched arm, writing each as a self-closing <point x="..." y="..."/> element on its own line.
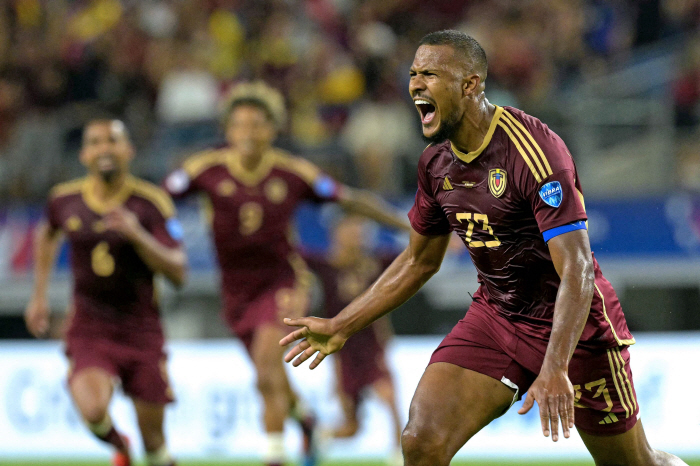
<point x="404" y="277"/>
<point x="571" y="255"/>
<point x="367" y="204"/>
<point x="46" y="242"/>
<point x="170" y="261"/>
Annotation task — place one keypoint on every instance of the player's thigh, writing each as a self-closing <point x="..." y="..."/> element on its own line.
<point x="91" y="389"/>
<point x="627" y="449"/>
<point x="150" y="419"/>
<point x="265" y="348"/>
<point x="451" y="404"/>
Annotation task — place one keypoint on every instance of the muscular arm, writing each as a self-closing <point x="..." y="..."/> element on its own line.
<point x="170" y="261"/>
<point x="404" y="277"/>
<point x="365" y="203"/>
<point x="571" y="255"/>
<point x="46" y="243"/>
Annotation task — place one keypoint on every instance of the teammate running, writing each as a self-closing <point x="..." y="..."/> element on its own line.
<point x="544" y="319"/>
<point x="253" y="190"/>
<point x="121" y="231"/>
<point x="361" y="365"/>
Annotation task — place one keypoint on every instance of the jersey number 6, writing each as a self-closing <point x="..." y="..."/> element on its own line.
<point x="102" y="260"/>
<point x="476" y="218"/>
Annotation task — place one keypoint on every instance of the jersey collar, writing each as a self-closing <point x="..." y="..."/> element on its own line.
<point x="470" y="156"/>
<point x="249" y="177"/>
<point x="101" y="207"/>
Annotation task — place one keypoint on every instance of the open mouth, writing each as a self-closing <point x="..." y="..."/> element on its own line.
<point x="426" y="109"/>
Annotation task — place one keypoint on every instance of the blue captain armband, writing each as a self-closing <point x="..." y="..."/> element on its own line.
<point x="551" y="233"/>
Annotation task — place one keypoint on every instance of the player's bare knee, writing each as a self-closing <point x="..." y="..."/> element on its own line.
<point x="92" y="413"/>
<point x="421" y="446"/>
<point x="270" y="382"/>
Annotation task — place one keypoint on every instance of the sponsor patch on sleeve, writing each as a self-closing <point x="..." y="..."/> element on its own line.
<point x="178" y="182"/>
<point x="325" y="187"/>
<point x="551" y="193"/>
<point x="174" y="228"/>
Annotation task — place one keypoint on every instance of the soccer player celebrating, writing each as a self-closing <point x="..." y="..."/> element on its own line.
<point x="121" y="231"/>
<point x="544" y="319"/>
<point x="348" y="270"/>
<point x="253" y="190"/>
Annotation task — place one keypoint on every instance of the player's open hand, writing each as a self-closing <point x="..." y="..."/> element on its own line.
<point x="555" y="397"/>
<point x="123" y="221"/>
<point x="317" y="336"/>
<point x="36" y="317"/>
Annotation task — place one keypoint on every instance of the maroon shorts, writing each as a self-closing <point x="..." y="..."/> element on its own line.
<point x="142" y="373"/>
<point x="485" y="342"/>
<point x="253" y="299"/>
<point x="362" y="363"/>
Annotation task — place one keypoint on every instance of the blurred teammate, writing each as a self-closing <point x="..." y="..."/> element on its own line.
<point x="544" y="319"/>
<point x="121" y="231"/>
<point x="253" y="190"/>
<point x="346" y="272"/>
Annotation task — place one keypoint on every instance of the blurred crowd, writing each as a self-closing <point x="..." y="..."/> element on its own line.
<point x="163" y="65"/>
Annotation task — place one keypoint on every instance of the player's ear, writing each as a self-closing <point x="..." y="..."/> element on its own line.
<point x="471" y="85"/>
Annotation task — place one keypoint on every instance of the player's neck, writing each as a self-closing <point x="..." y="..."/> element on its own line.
<point x="251" y="160"/>
<point x="103" y="190"/>
<point x="474" y="127"/>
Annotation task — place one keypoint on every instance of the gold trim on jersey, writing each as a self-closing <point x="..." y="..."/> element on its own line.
<point x="156" y="196"/>
<point x="583" y="203"/>
<point x="197" y="163"/>
<point x="67" y="188"/>
<point x="541" y="171"/>
<point x="630" y="341"/>
<point x="304" y="169"/>
<point x="522" y="152"/>
<point x="247" y="177"/>
<point x="100" y="206"/>
<point x="470" y="156"/>
<point x="547" y="170"/>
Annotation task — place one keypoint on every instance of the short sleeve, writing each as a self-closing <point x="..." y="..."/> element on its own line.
<point x="165" y="228"/>
<point x="323" y="188"/>
<point x="557" y="201"/>
<point x="426" y="216"/>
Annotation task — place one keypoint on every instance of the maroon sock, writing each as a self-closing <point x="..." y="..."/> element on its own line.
<point x="112" y="437"/>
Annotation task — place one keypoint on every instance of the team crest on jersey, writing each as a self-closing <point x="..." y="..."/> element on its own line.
<point x="226" y="188"/>
<point x="497" y="181"/>
<point x="276" y="190"/>
<point x="552" y="194"/>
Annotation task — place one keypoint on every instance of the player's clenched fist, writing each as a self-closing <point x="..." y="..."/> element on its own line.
<point x="36" y="316"/>
<point x="318" y="335"/>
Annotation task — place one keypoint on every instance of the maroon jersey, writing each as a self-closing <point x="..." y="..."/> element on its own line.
<point x="501" y="199"/>
<point x="113" y="294"/>
<point x="251" y="212"/>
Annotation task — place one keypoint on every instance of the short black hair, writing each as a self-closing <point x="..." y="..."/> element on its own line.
<point x="462" y="43"/>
